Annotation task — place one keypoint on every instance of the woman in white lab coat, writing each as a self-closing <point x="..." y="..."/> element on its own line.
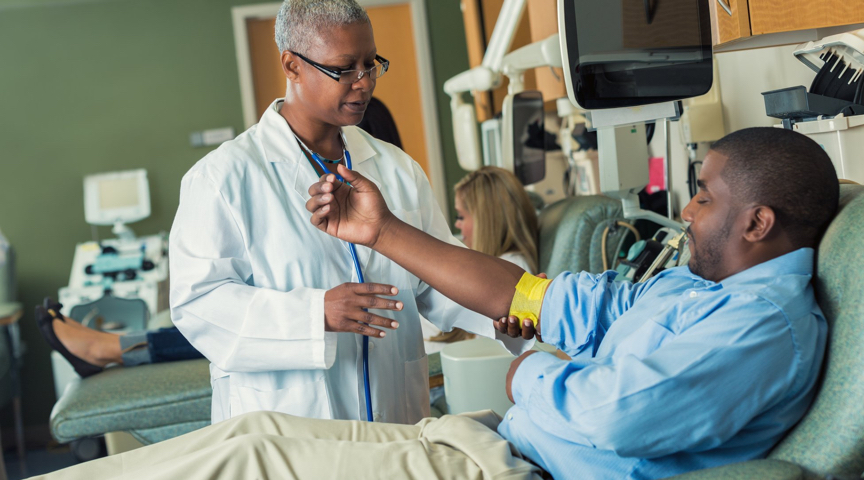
<point x="268" y="298"/>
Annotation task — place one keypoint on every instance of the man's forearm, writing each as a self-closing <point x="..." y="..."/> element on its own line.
<point x="477" y="281"/>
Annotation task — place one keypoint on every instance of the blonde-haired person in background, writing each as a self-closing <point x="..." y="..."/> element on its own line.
<point x="497" y="218"/>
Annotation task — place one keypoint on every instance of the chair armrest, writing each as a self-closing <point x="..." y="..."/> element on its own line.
<point x="761" y="469"/>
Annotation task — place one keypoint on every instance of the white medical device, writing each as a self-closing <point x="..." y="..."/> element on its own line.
<point x="125" y="267"/>
<point x="490" y="136"/>
<point x="523" y="127"/>
<point x="486" y="76"/>
<point x="117" y="198"/>
<point x="831" y="119"/>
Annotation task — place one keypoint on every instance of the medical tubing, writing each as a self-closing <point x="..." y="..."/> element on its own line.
<point x="353" y="249"/>
<point x="366" y="389"/>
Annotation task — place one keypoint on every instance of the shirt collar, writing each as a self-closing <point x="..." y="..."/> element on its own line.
<point x="799" y="262"/>
<point x="279" y="143"/>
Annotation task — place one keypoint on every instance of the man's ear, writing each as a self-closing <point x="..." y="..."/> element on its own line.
<point x="761" y="223"/>
<point x="290" y="66"/>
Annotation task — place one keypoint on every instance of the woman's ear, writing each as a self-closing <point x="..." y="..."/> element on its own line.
<point x="761" y="223"/>
<point x="290" y="66"/>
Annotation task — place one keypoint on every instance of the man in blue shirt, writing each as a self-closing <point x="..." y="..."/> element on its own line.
<point x="700" y="366"/>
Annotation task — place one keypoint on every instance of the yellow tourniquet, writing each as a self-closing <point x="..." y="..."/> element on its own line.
<point x="529" y="298"/>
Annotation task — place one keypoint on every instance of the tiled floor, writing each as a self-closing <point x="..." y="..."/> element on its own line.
<point x="39" y="462"/>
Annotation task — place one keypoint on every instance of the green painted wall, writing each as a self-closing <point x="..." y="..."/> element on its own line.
<point x="93" y="86"/>
<point x="449" y="57"/>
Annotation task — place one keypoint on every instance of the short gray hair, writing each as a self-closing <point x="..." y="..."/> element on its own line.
<point x="299" y="21"/>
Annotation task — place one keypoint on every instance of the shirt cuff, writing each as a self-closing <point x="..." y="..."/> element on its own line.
<point x="530" y="370"/>
<point x="549" y="330"/>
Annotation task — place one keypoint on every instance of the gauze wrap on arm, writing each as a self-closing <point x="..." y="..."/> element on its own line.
<point x="529" y="298"/>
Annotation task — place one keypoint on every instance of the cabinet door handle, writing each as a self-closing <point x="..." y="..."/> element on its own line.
<point x="725" y="7"/>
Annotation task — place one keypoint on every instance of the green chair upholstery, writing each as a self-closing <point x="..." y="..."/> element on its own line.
<point x="151" y="402"/>
<point x="571" y="233"/>
<point x="829" y="440"/>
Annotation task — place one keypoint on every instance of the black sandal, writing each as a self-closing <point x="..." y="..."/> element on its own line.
<point x="45" y="316"/>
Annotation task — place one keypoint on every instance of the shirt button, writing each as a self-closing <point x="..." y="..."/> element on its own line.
<point x="510" y="417"/>
<point x="693" y="294"/>
<point x="371" y="346"/>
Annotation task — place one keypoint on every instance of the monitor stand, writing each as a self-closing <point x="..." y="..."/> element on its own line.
<point x="623" y="155"/>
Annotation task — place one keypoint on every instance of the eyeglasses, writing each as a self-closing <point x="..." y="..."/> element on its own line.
<point x="349" y="77"/>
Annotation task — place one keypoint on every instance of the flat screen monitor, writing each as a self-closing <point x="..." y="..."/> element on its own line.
<point x="116" y="197"/>
<point x="529" y="134"/>
<point x="625" y="53"/>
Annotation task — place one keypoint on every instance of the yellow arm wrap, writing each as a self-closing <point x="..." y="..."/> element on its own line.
<point x="529" y="298"/>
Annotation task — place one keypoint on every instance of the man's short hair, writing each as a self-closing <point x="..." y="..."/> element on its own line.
<point x="301" y="21"/>
<point x="786" y="171"/>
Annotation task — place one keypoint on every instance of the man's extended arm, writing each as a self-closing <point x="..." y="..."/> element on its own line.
<point x="477" y="281"/>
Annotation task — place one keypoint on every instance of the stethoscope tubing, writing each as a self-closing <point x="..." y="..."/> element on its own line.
<point x="353" y="250"/>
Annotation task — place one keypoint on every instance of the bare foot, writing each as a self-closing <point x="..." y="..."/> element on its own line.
<point x="92" y="346"/>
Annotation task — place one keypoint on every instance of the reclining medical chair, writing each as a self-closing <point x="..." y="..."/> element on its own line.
<point x="150" y="403"/>
<point x="829" y="440"/>
<point x="572" y="231"/>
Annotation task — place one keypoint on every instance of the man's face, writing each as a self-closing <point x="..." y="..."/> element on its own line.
<point x="711" y="214"/>
<point x="348" y="47"/>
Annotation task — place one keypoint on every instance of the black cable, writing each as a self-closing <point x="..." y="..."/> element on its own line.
<point x="649" y="131"/>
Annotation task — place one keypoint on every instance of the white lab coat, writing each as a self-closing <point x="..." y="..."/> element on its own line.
<point x="249" y="272"/>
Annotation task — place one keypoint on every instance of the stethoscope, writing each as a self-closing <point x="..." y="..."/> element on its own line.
<point x="353" y="250"/>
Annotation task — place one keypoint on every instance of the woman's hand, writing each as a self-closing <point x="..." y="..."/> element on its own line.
<point x="355" y="213"/>
<point x="345" y="308"/>
<point x="510" y="327"/>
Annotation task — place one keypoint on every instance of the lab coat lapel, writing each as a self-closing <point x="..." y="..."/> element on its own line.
<point x="281" y="148"/>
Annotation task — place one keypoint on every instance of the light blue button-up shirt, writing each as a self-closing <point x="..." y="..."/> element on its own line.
<point x="671" y="375"/>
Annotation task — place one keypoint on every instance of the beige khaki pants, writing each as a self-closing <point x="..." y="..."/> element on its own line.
<point x="278" y="446"/>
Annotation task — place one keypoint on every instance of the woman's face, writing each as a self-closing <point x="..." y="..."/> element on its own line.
<point x="464" y="222"/>
<point x="323" y="99"/>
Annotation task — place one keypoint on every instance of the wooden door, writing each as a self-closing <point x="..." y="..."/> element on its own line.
<point x="543" y="21"/>
<point x="399" y="89"/>
<point x="480" y="17"/>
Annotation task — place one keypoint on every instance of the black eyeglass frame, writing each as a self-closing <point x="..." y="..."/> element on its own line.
<point x="336" y="73"/>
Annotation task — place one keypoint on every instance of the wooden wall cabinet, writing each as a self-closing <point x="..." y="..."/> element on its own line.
<point x="735" y="21"/>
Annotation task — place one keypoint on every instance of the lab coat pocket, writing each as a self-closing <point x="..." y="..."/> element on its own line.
<point x="308" y="399"/>
<point x="417" y="388"/>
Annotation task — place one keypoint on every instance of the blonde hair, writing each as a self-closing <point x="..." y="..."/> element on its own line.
<point x="504" y="218"/>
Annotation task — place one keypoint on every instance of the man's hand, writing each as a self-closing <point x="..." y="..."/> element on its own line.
<point x="513" y="367"/>
<point x="510" y="325"/>
<point x="344" y="308"/>
<point x="356" y="214"/>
